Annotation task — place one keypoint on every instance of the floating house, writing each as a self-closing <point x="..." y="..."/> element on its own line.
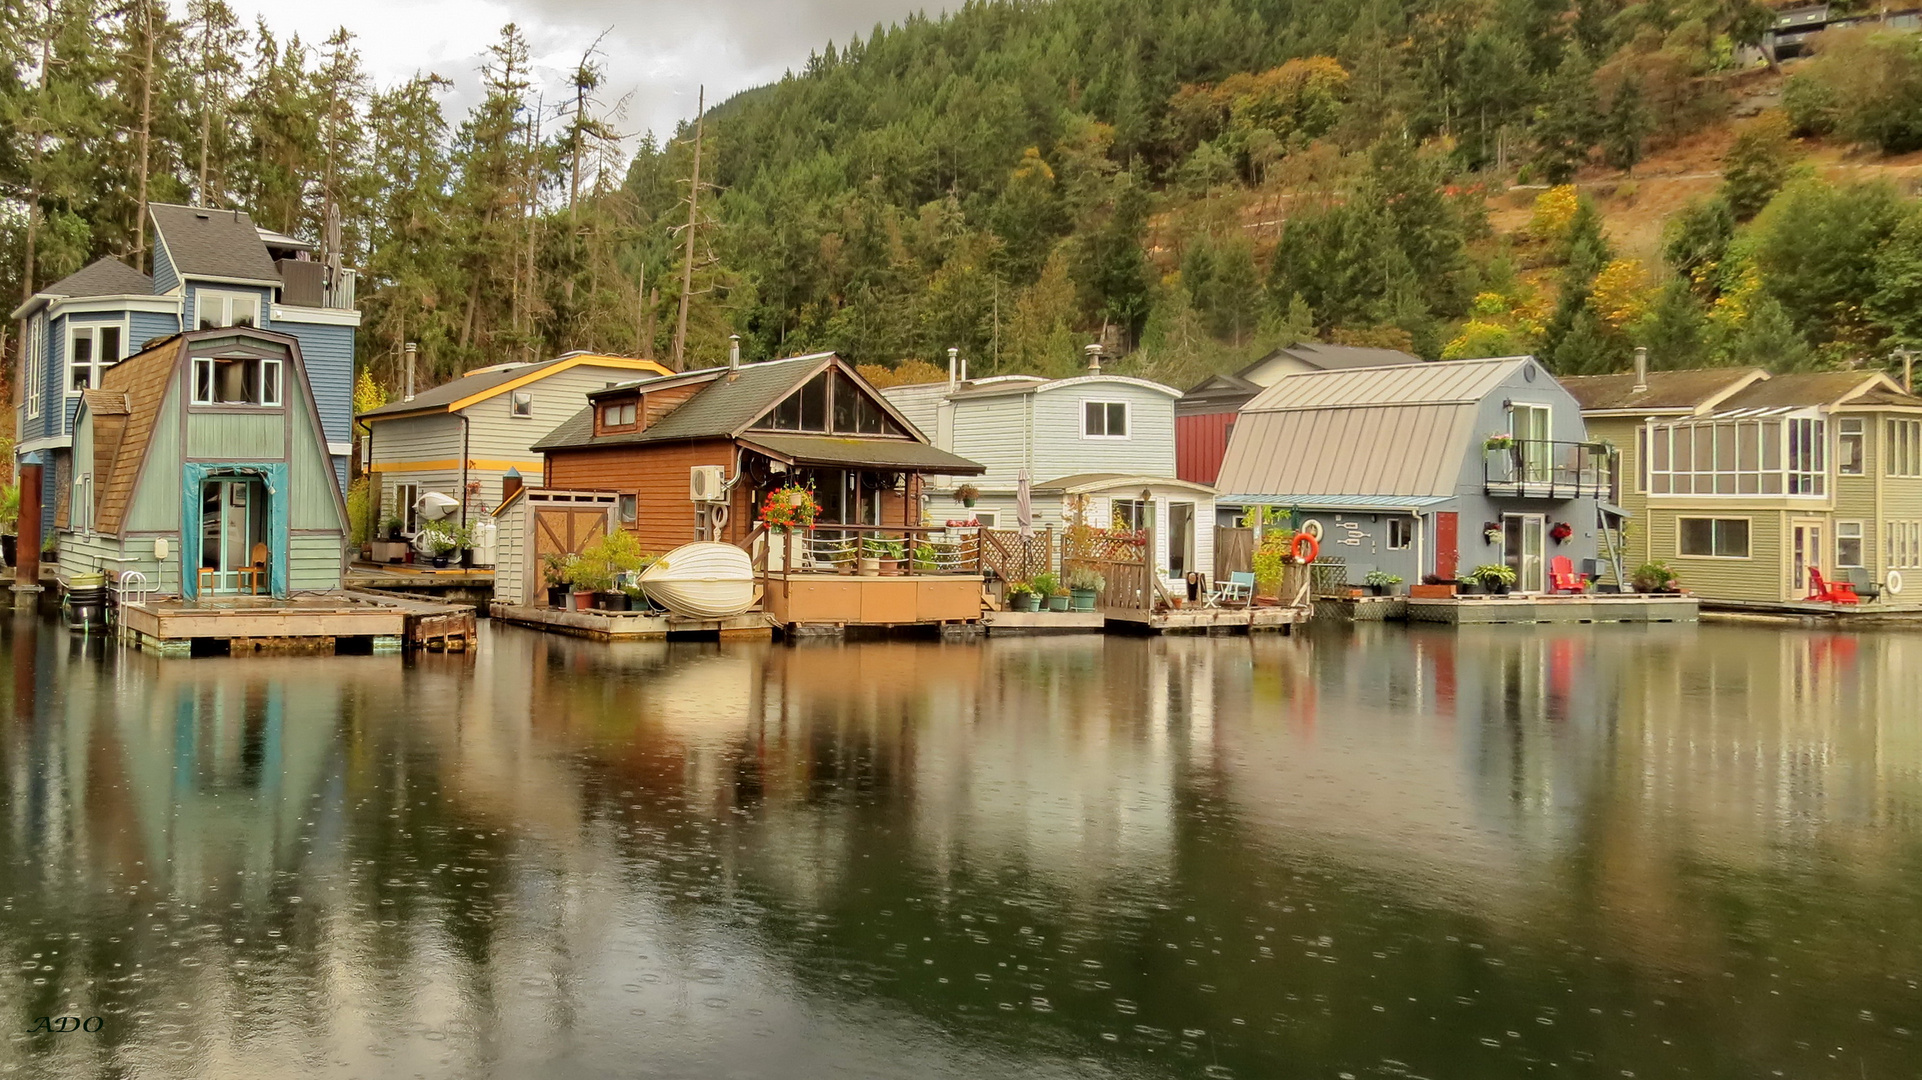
<point x="202" y="464"/>
<point x="464" y="437"/>
<point x="1104" y="443"/>
<point x="1745" y="482"/>
<point x="1205" y="415"/>
<point x="211" y="269"/>
<point x="1393" y="468"/>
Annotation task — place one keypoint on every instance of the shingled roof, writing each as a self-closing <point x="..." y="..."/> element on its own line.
<point x="1663" y="391"/>
<point x="719" y="410"/>
<point x="105" y="276"/>
<point x="209" y="243"/>
<point x="133" y="388"/>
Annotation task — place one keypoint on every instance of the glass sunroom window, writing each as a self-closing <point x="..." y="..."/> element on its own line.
<point x="1739" y="456"/>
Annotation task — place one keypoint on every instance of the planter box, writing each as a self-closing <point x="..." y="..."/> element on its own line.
<point x="389" y="551"/>
<point x="1431" y="592"/>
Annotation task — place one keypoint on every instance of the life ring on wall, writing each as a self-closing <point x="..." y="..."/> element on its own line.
<point x="1894" y="582"/>
<point x="1313" y="528"/>
<point x="717" y="514"/>
<point x="1302" y="540"/>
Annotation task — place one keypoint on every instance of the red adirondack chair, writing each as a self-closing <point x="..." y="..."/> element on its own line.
<point x="1562" y="576"/>
<point x="1830" y="592"/>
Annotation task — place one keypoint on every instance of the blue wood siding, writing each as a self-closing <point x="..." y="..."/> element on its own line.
<point x="164" y="277"/>
<point x="329" y="354"/>
<point x="144" y="326"/>
<point x="57" y="408"/>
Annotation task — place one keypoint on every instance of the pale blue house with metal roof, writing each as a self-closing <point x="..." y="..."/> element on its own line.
<point x="211" y="268"/>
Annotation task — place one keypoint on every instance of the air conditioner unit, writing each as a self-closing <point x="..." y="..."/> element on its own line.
<point x="707" y="484"/>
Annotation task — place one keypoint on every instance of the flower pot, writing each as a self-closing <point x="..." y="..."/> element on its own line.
<point x="870" y="567"/>
<point x="1376" y="590"/>
<point x="1083" y="599"/>
<point x="467" y="558"/>
<point x="1498" y="588"/>
<point x="969" y="503"/>
<point x="583" y="601"/>
<point x="440" y="562"/>
<point x="1058" y="603"/>
<point x="890" y="567"/>
<point x="557" y="596"/>
<point x="614" y="601"/>
<point x="1431" y="592"/>
<point x="1021" y="602"/>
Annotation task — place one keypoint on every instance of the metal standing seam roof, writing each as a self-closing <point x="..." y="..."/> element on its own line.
<point x="203" y="242"/>
<point x="1338" y="502"/>
<point x="1398" y="450"/>
<point x="1427" y="384"/>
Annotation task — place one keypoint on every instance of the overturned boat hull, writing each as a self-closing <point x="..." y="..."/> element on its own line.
<point x="704" y="580"/>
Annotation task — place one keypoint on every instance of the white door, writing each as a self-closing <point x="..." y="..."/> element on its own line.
<point x="1806" y="555"/>
<point x="1524" y="549"/>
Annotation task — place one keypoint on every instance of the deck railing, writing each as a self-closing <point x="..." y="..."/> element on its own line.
<point x="1546" y="469"/>
<point x="884" y="550"/>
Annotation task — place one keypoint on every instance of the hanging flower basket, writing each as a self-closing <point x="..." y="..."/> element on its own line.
<point x="1561" y="532"/>
<point x="790" y="509"/>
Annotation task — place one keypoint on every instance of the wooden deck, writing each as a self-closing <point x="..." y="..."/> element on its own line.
<point x="1182" y="621"/>
<point x="1462" y="611"/>
<point x="633" y="625"/>
<point x="326" y="623"/>
<point x="1864" y="615"/>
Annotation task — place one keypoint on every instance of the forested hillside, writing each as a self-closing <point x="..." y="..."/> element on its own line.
<point x="1191" y="181"/>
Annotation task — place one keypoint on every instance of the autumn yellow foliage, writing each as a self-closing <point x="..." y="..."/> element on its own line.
<point x="1554" y="213"/>
<point x="1621" y="292"/>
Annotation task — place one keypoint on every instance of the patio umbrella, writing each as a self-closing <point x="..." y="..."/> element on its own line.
<point x="1024" y="504"/>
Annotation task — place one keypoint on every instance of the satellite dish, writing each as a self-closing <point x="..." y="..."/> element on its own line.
<point x="434" y="506"/>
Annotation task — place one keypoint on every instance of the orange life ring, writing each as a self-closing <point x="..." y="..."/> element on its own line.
<point x="1313" y="545"/>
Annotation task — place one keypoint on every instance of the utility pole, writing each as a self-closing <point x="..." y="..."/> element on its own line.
<point x="687" y="259"/>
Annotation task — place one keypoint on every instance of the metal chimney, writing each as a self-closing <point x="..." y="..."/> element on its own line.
<point x="1094" y="358"/>
<point x="1641" y="368"/>
<point x="409" y="368"/>
<point x="733" y="351"/>
<point x="954" y="360"/>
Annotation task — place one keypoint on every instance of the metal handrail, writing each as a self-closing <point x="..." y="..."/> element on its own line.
<point x="1548" y="468"/>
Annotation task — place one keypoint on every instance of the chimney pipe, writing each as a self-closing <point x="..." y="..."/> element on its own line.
<point x="409" y="351"/>
<point x="953" y="360"/>
<point x="733" y="351"/>
<point x="1094" y="358"/>
<point x="1641" y="368"/>
<point x="510" y="484"/>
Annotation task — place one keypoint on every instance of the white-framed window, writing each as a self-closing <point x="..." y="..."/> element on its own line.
<point x="630" y="509"/>
<point x="1851" y="446"/>
<point x="35" y="391"/>
<point x="405" y="495"/>
<point x="1401" y="533"/>
<point x="1902" y="545"/>
<point x="1905" y="448"/>
<point x="217" y="309"/>
<point x="985" y="518"/>
<point x="80" y="513"/>
<point x="1765" y="456"/>
<point x="1712" y="538"/>
<point x="92" y="348"/>
<point x="522" y="404"/>
<point x="247" y="380"/>
<point x="1104" y="419"/>
<point x="1128" y="514"/>
<point x="1848" y="543"/>
<point x="621" y="415"/>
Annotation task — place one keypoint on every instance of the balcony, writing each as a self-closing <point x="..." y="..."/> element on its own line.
<point x="305" y="283"/>
<point x="1546" y="469"/>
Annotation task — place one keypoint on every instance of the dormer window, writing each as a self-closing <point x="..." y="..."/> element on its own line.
<point x="619" y="414"/>
<point x="247" y="380"/>
<point x="217" y="309"/>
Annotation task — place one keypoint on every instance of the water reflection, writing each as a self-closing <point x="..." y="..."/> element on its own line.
<point x="1387" y="852"/>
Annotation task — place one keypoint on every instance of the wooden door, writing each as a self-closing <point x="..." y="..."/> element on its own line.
<point x="565" y="530"/>
<point x="1447" y="544"/>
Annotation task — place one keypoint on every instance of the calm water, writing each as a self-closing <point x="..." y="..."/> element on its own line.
<point x="1593" y="852"/>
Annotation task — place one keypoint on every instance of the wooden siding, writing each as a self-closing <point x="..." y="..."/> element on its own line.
<point x="328" y="352"/>
<point x="921" y="404"/>
<point x="1060" y="450"/>
<point x="1761" y="576"/>
<point x="511" y="583"/>
<point x="658" y="477"/>
<point x="237" y="436"/>
<point x="313" y="562"/>
<point x="165" y="277"/>
<point x="1201" y="441"/>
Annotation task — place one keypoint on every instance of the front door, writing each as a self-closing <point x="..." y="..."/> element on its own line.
<point x="233" y="536"/>
<point x="1805" y="540"/>
<point x="1529" y="425"/>
<point x="1181" y="539"/>
<point x="1524" y="540"/>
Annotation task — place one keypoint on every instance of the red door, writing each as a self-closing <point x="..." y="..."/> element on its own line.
<point x="1447" y="547"/>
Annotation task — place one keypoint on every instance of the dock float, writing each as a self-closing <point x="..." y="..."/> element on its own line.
<point x="633" y="625"/>
<point x="324" y="623"/>
<point x="1178" y="621"/>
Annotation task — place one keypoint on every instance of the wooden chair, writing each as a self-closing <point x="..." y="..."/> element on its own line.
<point x="1864" y="586"/>
<point x="1562" y="576"/>
<point x="253" y="576"/>
<point x="1830" y="592"/>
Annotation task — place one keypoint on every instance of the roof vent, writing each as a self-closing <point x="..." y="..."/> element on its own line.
<point x="1094" y="358"/>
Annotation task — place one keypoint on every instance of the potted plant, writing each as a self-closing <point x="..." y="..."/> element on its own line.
<point x="1561" y="531"/>
<point x="608" y="560"/>
<point x="1083" y="585"/>
<point x="1497" y="578"/>
<point x="925" y="560"/>
<point x="790" y="509"/>
<point x="392" y="526"/>
<point x="1381" y="582"/>
<point x="441" y="539"/>
<point x="889" y="554"/>
<point x="1275" y="551"/>
<point x="1049" y="591"/>
<point x="50" y="549"/>
<point x="588" y="580"/>
<point x="554" y="571"/>
<point x="966" y="494"/>
<point x="1021" y="596"/>
<point x="1654" y="576"/>
<point x="1500" y="440"/>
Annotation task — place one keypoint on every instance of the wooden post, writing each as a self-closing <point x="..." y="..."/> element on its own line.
<point x="26" y="573"/>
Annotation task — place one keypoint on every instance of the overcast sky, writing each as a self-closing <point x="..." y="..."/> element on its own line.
<point x="659" y="50"/>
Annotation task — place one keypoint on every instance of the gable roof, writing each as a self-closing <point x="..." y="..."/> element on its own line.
<point x="1035" y="384"/>
<point x="209" y="243"/>
<point x="136" y="384"/>
<point x="477" y="386"/>
<point x="1686" y="389"/>
<point x="1417" y="384"/>
<point x="1808" y="389"/>
<point x="1335" y="357"/>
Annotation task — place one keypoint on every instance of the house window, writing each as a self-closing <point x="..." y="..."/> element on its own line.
<point x="1807" y="468"/>
<point x="1104" y="419"/>
<point x="1713" y="538"/>
<point x="523" y="404"/>
<point x="36" y="375"/>
<point x="831" y="402"/>
<point x="1902" y="544"/>
<point x="92" y="348"/>
<point x="217" y="309"/>
<point x="245" y="380"/>
<point x="630" y="509"/>
<point x="1848" y="543"/>
<point x="405" y="495"/>
<point x="985" y="518"/>
<point x="1401" y="533"/>
<point x="1850" y="449"/>
<point x="1129" y="514"/>
<point x="1905" y="448"/>
<point x="1737" y="457"/>
<point x="621" y="415"/>
<point x="80" y="515"/>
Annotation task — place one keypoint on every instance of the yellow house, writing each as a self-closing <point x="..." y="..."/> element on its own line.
<point x="1743" y="482"/>
<point x="463" y="437"/>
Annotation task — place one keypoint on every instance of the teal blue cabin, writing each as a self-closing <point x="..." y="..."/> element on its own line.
<point x="202" y="463"/>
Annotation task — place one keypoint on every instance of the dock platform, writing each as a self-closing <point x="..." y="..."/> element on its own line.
<point x="1179" y="621"/>
<point x="1591" y="608"/>
<point x="426" y="624"/>
<point x="633" y="625"/>
<point x="1878" y="613"/>
<point x="324" y="623"/>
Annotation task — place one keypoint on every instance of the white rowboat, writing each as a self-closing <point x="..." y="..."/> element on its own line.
<point x="704" y="580"/>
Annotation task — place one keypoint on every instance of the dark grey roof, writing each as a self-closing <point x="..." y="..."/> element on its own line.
<point x="213" y="243"/>
<point x="718" y="410"/>
<point x="903" y="454"/>
<point x="1338" y="357"/>
<point x="105" y="276"/>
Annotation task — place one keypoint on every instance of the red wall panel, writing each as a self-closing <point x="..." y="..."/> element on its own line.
<point x="1201" y="441"/>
